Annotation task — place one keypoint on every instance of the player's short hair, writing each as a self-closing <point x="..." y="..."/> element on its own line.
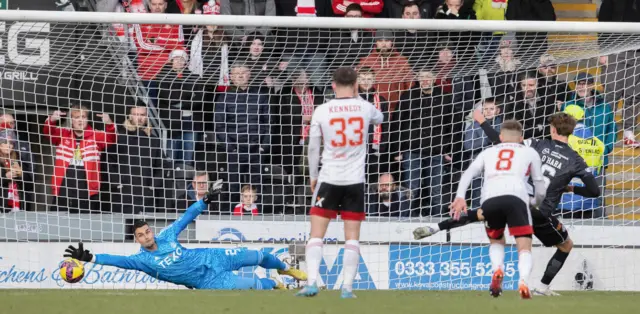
<point x="512" y="126"/>
<point x="139" y="223"/>
<point x="563" y="123"/>
<point x="353" y="7"/>
<point x="247" y="188"/>
<point x="345" y="76"/>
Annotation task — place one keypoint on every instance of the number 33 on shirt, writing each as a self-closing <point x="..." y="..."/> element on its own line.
<point x="343" y="124"/>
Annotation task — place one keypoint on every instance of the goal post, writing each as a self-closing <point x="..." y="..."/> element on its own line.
<point x="174" y="103"/>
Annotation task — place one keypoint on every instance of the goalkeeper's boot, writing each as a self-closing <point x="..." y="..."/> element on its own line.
<point x="347" y="294"/>
<point x="295" y="273"/>
<point x="545" y="292"/>
<point x="308" y="291"/>
<point x="496" y="283"/>
<point x="523" y="290"/>
<point x="423" y="232"/>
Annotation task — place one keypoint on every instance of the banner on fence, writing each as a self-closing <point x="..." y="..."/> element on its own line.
<point x="394" y="231"/>
<point x="270" y="231"/>
<point x="447" y="267"/>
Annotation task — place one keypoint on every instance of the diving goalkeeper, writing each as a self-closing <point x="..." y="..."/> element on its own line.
<point x="163" y="257"/>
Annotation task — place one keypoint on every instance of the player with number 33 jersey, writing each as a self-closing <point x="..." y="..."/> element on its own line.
<point x="341" y="126"/>
<point x="344" y="122"/>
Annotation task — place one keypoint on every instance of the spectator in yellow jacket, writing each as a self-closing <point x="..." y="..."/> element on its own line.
<point x="490" y="10"/>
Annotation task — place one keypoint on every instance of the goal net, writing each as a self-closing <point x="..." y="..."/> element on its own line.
<point x="109" y="118"/>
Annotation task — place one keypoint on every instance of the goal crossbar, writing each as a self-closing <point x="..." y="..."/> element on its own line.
<point x="319" y="22"/>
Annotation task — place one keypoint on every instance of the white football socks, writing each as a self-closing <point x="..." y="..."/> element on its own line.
<point x="313" y="255"/>
<point x="525" y="263"/>
<point x="496" y="255"/>
<point x="351" y="260"/>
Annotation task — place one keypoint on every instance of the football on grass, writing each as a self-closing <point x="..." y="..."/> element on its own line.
<point x="71" y="270"/>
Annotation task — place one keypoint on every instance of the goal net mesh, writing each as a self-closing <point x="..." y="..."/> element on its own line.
<point x="104" y="124"/>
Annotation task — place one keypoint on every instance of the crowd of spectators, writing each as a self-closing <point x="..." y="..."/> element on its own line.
<point x="237" y="102"/>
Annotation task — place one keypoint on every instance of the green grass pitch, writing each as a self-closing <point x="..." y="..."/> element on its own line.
<point x="327" y="302"/>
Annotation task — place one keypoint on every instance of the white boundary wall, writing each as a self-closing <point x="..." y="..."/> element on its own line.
<point x="415" y="266"/>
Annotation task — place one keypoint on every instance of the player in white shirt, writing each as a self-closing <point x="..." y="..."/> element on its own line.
<point x="341" y="126"/>
<point x="505" y="200"/>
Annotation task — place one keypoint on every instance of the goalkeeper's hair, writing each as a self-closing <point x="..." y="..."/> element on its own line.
<point x="563" y="123"/>
<point x="139" y="223"/>
<point x="345" y="76"/>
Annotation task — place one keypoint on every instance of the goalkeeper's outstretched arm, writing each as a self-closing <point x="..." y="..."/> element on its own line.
<point x="125" y="262"/>
<point x="174" y="229"/>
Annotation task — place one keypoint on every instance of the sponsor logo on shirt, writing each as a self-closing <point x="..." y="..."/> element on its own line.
<point x="171" y="258"/>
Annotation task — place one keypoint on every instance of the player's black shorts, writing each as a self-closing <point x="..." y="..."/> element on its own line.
<point x="506" y="210"/>
<point x="549" y="230"/>
<point x="347" y="200"/>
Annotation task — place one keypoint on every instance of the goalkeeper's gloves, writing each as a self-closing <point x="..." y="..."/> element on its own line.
<point x="80" y="253"/>
<point x="215" y="190"/>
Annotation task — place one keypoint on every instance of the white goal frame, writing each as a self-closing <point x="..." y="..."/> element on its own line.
<point x="624" y="257"/>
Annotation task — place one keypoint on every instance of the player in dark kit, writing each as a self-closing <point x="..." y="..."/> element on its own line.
<point x="560" y="164"/>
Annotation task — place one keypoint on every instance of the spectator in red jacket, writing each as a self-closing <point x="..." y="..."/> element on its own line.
<point x="392" y="70"/>
<point x="23" y="148"/>
<point x="191" y="32"/>
<point x="370" y="8"/>
<point x="76" y="176"/>
<point x="155" y="42"/>
<point x="248" y="205"/>
<point x="11" y="170"/>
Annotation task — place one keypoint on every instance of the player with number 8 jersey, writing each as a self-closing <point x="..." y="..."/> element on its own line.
<point x="505" y="200"/>
<point x="341" y="126"/>
<point x="560" y="164"/>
